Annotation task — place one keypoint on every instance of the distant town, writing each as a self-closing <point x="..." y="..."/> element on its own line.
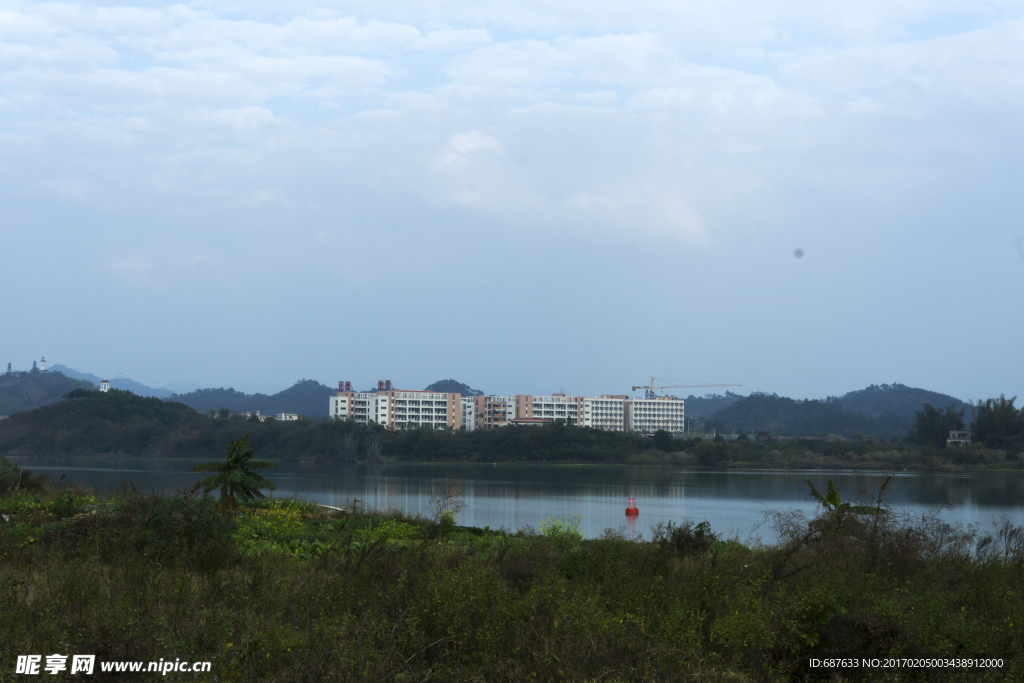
<point x="414" y="408"/>
<point x="886" y="412"/>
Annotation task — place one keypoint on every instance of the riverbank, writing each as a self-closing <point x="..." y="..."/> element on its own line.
<point x="286" y="590"/>
<point x="120" y="423"/>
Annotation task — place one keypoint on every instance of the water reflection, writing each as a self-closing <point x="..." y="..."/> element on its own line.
<point x="512" y="496"/>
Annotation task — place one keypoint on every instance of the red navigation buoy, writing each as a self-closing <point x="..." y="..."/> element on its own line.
<point x="632" y="509"/>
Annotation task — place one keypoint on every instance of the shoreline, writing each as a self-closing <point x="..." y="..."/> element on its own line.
<point x="683" y="467"/>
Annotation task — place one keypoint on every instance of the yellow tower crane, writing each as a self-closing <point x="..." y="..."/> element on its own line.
<point x="650" y="390"/>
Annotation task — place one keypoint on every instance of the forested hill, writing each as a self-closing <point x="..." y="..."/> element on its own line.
<point x="91" y="422"/>
<point x="895" y="399"/>
<point x="884" y="412"/>
<point x="137" y="388"/>
<point x="306" y="397"/>
<point x="453" y="387"/>
<point x="25" y="390"/>
<point x="707" y="405"/>
<point x="88" y="422"/>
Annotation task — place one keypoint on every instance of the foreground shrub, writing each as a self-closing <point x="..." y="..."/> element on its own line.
<point x="566" y="527"/>
<point x="373" y="597"/>
<point x="685" y="539"/>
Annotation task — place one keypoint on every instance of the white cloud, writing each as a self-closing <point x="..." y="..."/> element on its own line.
<point x="448" y="40"/>
<point x="463" y="145"/>
<point x="984" y="66"/>
<point x="642" y="212"/>
<point x="642" y="119"/>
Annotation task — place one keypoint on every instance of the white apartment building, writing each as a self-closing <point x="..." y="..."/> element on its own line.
<point x="407" y="409"/>
<point x="413" y="409"/>
<point x="363" y="407"/>
<point x="648" y="415"/>
<point x="608" y="413"/>
<point x="398" y="409"/>
<point x="553" y="407"/>
<point x="469" y="415"/>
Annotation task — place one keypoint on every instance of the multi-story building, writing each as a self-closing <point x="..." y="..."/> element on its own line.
<point x="412" y="409"/>
<point x="490" y="412"/>
<point x="648" y="415"/>
<point x="472" y="412"/>
<point x="399" y="409"/>
<point x="408" y="409"/>
<point x="497" y="411"/>
<point x="607" y="412"/>
<point x="554" y="407"/>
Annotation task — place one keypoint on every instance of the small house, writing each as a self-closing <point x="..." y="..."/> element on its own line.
<point x="958" y="438"/>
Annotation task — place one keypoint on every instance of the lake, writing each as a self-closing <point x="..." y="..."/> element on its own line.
<point x="514" y="496"/>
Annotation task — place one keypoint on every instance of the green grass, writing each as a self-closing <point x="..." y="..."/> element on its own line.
<point x="290" y="591"/>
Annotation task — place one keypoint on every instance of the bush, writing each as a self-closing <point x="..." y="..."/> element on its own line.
<point x="686" y="606"/>
<point x="565" y="528"/>
<point x="710" y="454"/>
<point x="9" y="475"/>
<point x="685" y="539"/>
<point x="178" y="530"/>
<point x="69" y="504"/>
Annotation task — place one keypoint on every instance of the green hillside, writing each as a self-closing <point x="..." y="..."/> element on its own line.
<point x="789" y="417"/>
<point x="895" y="399"/>
<point x="137" y="388"/>
<point x="90" y="422"/>
<point x="306" y="397"/>
<point x="882" y="412"/>
<point x="27" y="390"/>
<point x="707" y="405"/>
<point x="451" y="386"/>
<point x="118" y="422"/>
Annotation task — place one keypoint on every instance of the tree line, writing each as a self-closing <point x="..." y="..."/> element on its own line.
<point x="119" y="422"/>
<point x="996" y="423"/>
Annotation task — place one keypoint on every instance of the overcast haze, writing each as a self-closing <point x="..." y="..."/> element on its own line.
<point x="525" y="196"/>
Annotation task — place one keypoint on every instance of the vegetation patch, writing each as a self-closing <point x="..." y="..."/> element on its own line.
<point x="288" y="590"/>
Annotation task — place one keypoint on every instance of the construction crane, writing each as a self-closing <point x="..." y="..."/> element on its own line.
<point x="649" y="391"/>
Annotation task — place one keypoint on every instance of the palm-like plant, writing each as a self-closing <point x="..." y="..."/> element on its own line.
<point x="839" y="508"/>
<point x="236" y="475"/>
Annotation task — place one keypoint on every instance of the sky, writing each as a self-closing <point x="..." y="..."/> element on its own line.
<point x="800" y="197"/>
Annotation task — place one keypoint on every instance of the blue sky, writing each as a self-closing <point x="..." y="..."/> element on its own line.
<point x="526" y="196"/>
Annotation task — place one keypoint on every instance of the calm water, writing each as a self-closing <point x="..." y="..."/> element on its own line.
<point x="514" y="496"/>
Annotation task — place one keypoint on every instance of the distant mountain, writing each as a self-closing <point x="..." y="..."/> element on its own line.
<point x="306" y="397"/>
<point x="181" y="387"/>
<point x="450" y="386"/>
<point x="25" y="390"/>
<point x="123" y="383"/>
<point x="91" y="421"/>
<point x="885" y="411"/>
<point x="707" y="405"/>
<point x="895" y="399"/>
<point x="788" y="417"/>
